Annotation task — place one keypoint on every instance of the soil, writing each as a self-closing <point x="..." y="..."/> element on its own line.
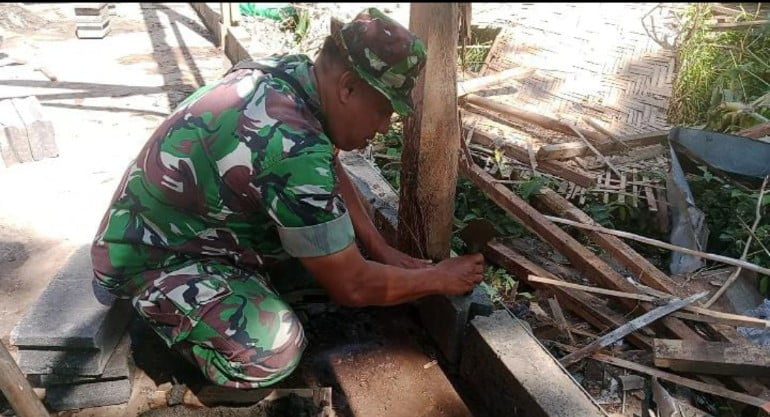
<point x="291" y="405"/>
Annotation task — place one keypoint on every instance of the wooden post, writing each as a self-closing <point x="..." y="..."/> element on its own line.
<point x="431" y="138"/>
<point x="16" y="388"/>
<point x="224" y="11"/>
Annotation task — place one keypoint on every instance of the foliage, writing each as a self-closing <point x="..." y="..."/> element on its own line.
<point x="723" y="76"/>
<point x="730" y="212"/>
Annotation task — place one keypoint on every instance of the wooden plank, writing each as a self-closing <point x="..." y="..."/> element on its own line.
<point x="431" y="137"/>
<point x="16" y="388"/>
<point x="628" y="328"/>
<point x="635" y="189"/>
<point x="652" y="205"/>
<point x="480" y="83"/>
<point x="710" y="388"/>
<point x="558" y="315"/>
<point x="622" y="196"/>
<point x="607" y="185"/>
<point x="589" y="308"/>
<point x="638" y="265"/>
<point x="530" y="117"/>
<point x="573" y="149"/>
<point x="718" y="358"/>
<point x="520" y="154"/>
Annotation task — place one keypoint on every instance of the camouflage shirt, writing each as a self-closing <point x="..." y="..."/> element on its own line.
<point x="241" y="171"/>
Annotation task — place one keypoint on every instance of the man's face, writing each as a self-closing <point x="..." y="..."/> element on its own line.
<point x="364" y="111"/>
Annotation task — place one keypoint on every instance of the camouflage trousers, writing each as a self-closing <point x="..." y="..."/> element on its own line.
<point x="227" y="321"/>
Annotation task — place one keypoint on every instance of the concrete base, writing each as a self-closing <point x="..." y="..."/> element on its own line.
<point x="96" y="394"/>
<point x="514" y="375"/>
<point x="73" y="312"/>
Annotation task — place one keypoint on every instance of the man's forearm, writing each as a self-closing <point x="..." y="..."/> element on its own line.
<point x="365" y="230"/>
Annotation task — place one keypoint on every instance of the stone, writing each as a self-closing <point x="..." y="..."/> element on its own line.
<point x="120" y="365"/>
<point x="64" y="362"/>
<point x="87" y="395"/>
<point x="73" y="312"/>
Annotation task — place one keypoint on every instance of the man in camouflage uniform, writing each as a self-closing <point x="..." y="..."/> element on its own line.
<point x="244" y="174"/>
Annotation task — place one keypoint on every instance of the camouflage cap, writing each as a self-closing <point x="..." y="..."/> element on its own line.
<point x="384" y="54"/>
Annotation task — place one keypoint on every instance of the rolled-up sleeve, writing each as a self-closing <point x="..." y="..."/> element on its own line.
<point x="302" y="196"/>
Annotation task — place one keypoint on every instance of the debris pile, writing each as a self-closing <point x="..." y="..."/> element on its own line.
<point x="615" y="300"/>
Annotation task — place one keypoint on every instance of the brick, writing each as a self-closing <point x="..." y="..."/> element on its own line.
<point x="40" y="132"/>
<point x="94" y="394"/>
<point x="446" y="317"/>
<point x="120" y="365"/>
<point x="498" y="352"/>
<point x="73" y="312"/>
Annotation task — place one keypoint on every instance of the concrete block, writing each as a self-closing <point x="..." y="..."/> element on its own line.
<point x="497" y="351"/>
<point x="94" y="394"/>
<point x="16" y="148"/>
<point x="90" y="9"/>
<point x="445" y="318"/>
<point x="92" y="33"/>
<point x="64" y="362"/>
<point x="120" y="365"/>
<point x="40" y="132"/>
<point x="73" y="312"/>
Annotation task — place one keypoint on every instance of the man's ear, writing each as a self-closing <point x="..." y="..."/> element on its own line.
<point x="346" y="86"/>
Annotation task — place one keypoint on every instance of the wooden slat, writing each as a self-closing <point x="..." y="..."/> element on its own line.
<point x="589" y="308"/>
<point x="718" y="358"/>
<point x="573" y="149"/>
<point x="520" y="154"/>
<point x="627" y="256"/>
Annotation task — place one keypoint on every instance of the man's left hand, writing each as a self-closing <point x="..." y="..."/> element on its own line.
<point x="395" y="257"/>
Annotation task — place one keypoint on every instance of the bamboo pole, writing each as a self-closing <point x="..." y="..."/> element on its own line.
<point x="16" y="388"/>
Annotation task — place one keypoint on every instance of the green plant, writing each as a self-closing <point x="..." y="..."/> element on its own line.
<point x="721" y="76"/>
<point x="729" y="213"/>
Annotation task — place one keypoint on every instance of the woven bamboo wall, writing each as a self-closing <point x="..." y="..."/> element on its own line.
<point x="591" y="59"/>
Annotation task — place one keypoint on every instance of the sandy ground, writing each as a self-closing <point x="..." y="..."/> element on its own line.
<point x="110" y="95"/>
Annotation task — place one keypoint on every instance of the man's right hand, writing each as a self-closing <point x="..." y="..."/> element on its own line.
<point x="461" y="274"/>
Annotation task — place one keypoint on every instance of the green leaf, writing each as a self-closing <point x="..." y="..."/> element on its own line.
<point x="765" y="200"/>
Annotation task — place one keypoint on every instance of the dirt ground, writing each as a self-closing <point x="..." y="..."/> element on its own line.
<point x="110" y="95"/>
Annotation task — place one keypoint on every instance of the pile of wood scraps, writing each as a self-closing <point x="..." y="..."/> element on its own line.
<point x="614" y="307"/>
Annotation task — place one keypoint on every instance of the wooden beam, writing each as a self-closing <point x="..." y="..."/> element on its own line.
<point x="718" y="358"/>
<point x="638" y="265"/>
<point x="520" y="154"/>
<point x="17" y="389"/>
<point x="628" y="328"/>
<point x="530" y="117"/>
<point x="431" y="137"/>
<point x="589" y="308"/>
<point x="573" y="149"/>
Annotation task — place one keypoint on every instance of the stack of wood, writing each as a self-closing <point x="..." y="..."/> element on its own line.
<point x="622" y="296"/>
